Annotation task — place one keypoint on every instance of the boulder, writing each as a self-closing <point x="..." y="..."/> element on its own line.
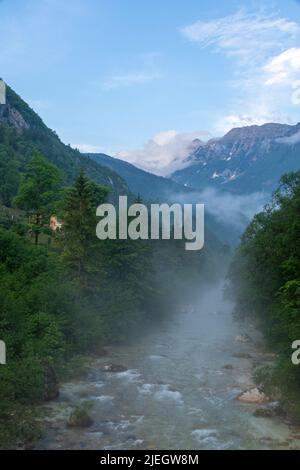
<point x="253" y="395"/>
<point x="80" y="417"/>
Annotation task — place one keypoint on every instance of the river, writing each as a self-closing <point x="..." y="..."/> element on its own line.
<point x="178" y="392"/>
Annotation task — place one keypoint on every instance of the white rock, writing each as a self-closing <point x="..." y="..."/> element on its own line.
<point x="254" y="395"/>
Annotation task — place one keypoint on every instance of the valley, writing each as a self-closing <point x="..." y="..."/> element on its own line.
<point x="167" y="352"/>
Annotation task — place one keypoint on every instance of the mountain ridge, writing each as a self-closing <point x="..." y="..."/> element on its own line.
<point x="141" y="182"/>
<point x="246" y="159"/>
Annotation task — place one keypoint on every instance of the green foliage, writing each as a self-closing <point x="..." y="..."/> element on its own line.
<point x="19" y="427"/>
<point x="39" y="188"/>
<point x="39" y="193"/>
<point x="264" y="377"/>
<point x="11" y="164"/>
<point x="265" y="277"/>
<point x="80" y="416"/>
<point x="79" y="293"/>
<point x="35" y="323"/>
<point x="79" y="226"/>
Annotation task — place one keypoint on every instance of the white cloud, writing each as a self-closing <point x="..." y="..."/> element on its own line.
<point x="283" y="68"/>
<point x="118" y="81"/>
<point x="230" y="121"/>
<point x="255" y="113"/>
<point x="263" y="49"/>
<point x="165" y="152"/>
<point x="247" y="36"/>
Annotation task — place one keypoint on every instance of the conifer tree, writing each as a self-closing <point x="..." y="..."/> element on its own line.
<point x="79" y="226"/>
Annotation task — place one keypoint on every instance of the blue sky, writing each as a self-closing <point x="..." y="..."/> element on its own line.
<point x="141" y="79"/>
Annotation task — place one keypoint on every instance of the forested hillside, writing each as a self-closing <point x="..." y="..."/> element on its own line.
<point x="22" y="131"/>
<point x="265" y="281"/>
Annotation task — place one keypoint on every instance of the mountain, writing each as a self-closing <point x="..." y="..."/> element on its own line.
<point x="148" y="185"/>
<point x="245" y="160"/>
<point x="22" y="131"/>
<point x="156" y="188"/>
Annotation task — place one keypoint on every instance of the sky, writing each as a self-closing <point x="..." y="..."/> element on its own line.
<point x="141" y="79"/>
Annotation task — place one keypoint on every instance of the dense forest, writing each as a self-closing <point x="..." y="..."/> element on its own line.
<point x="65" y="293"/>
<point x="265" y="282"/>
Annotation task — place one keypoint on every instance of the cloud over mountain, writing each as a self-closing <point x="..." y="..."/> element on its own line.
<point x="166" y="152"/>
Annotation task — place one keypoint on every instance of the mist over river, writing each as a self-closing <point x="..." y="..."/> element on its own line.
<point x="178" y="392"/>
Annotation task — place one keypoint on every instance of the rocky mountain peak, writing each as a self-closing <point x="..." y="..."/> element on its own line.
<point x="255" y="155"/>
<point x="266" y="131"/>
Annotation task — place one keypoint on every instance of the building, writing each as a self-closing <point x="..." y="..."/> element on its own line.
<point x="2" y="92"/>
<point x="54" y="223"/>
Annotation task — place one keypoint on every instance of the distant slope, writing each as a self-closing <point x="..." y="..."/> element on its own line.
<point x="156" y="188"/>
<point x="22" y="131"/>
<point x="245" y="160"/>
<point x="151" y="187"/>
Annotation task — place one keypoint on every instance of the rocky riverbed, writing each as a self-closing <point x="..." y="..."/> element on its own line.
<point x="186" y="385"/>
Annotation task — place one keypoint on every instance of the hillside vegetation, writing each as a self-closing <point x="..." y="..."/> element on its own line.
<point x="265" y="281"/>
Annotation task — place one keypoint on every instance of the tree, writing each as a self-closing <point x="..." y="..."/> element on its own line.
<point x="39" y="192"/>
<point x="265" y="278"/>
<point x="79" y="226"/>
<point x="9" y="176"/>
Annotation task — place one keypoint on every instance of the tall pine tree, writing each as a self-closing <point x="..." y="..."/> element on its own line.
<point x="79" y="227"/>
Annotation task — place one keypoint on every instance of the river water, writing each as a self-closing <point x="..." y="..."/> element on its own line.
<point x="178" y="392"/>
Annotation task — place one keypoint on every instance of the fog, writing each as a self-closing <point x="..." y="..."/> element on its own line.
<point x="178" y="389"/>
<point x="176" y="381"/>
<point x="232" y="210"/>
